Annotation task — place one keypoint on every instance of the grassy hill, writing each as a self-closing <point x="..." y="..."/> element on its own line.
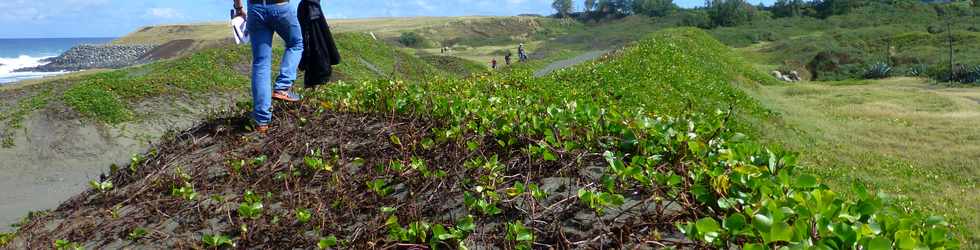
<point x="912" y="38"/>
<point x="502" y="159"/>
<point x="405" y="126"/>
<point x="901" y="136"/>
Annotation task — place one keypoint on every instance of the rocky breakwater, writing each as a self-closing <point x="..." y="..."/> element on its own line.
<point x="93" y="57"/>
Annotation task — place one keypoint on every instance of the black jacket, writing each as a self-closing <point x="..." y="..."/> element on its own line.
<point x="319" y="49"/>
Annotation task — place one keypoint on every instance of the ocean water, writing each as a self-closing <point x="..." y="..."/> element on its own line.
<point x="28" y="52"/>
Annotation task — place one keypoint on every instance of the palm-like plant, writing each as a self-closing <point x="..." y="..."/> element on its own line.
<point x="878" y="71"/>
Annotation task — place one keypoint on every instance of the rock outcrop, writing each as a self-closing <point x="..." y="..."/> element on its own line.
<point x="93" y="56"/>
<point x="792" y="76"/>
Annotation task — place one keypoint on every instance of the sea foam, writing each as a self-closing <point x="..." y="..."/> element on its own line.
<point x="8" y="65"/>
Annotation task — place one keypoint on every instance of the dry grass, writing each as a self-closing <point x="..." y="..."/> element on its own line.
<point x="904" y="136"/>
<point x="221" y="30"/>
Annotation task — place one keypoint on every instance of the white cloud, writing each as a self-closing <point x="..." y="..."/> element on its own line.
<point x="164" y="13"/>
<point x="39" y="10"/>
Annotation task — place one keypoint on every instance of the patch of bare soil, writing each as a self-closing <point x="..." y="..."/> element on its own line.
<point x="221" y="160"/>
<point x="180" y="47"/>
<point x="168" y="50"/>
<point x="57" y="151"/>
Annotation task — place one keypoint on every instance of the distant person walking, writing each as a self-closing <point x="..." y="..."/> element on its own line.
<point x="507" y="57"/>
<point x="521" y="53"/>
<point x="493" y="63"/>
<point x="265" y="17"/>
<point x="319" y="49"/>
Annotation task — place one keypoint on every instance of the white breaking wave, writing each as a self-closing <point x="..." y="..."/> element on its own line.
<point x="8" y="65"/>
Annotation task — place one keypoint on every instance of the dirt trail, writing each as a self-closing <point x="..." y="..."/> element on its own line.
<point x="588" y="56"/>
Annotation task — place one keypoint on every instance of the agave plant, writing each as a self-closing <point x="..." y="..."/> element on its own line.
<point x="918" y="70"/>
<point x="878" y="71"/>
<point x="973" y="76"/>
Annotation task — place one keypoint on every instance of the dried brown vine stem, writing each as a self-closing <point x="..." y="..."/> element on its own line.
<point x="343" y="206"/>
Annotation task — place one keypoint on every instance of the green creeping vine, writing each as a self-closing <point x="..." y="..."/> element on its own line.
<point x="251" y="207"/>
<point x="6" y="238"/>
<point x="520" y="235"/>
<point x="327" y="242"/>
<point x="669" y="123"/>
<point x="137" y="234"/>
<point x="380" y="187"/>
<point x="67" y="245"/>
<point x="303" y="215"/>
<point x="101" y="186"/>
<point x="185" y="192"/>
<point x="436" y="235"/>
<point x="217" y="241"/>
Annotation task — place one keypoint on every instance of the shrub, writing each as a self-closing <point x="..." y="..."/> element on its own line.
<point x="960" y="74"/>
<point x="695" y="18"/>
<point x="971" y="75"/>
<point x="831" y="65"/>
<point x="918" y="70"/>
<point x="788" y="8"/>
<point x="654" y="8"/>
<point x="410" y="39"/>
<point x="827" y="8"/>
<point x="878" y="71"/>
<point x="729" y="13"/>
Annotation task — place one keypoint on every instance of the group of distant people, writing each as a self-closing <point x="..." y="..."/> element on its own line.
<point x="521" y="54"/>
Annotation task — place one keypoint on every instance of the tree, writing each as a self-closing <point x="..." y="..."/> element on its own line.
<point x="654" y="8"/>
<point x="827" y="8"/>
<point x="615" y="7"/>
<point x="788" y="8"/>
<point x="621" y="7"/>
<point x="603" y="6"/>
<point x="730" y="12"/>
<point x="563" y="7"/>
<point x="695" y="18"/>
<point x="590" y="5"/>
<point x="409" y="39"/>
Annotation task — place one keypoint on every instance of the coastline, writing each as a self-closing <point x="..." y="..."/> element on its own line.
<point x="53" y="77"/>
<point x="87" y="56"/>
<point x="76" y="59"/>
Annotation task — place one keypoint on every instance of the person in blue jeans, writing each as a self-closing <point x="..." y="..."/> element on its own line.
<point x="264" y="18"/>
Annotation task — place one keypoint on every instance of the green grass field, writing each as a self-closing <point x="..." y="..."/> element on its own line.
<point x="903" y="136"/>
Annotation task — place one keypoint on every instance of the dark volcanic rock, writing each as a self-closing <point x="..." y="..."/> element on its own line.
<point x="93" y="56"/>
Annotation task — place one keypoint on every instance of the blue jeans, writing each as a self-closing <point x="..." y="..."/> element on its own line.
<point x="263" y="21"/>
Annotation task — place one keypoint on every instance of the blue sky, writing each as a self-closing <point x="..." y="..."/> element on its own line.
<point x="113" y="18"/>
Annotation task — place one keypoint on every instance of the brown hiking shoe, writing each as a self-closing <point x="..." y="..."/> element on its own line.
<point x="262" y="129"/>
